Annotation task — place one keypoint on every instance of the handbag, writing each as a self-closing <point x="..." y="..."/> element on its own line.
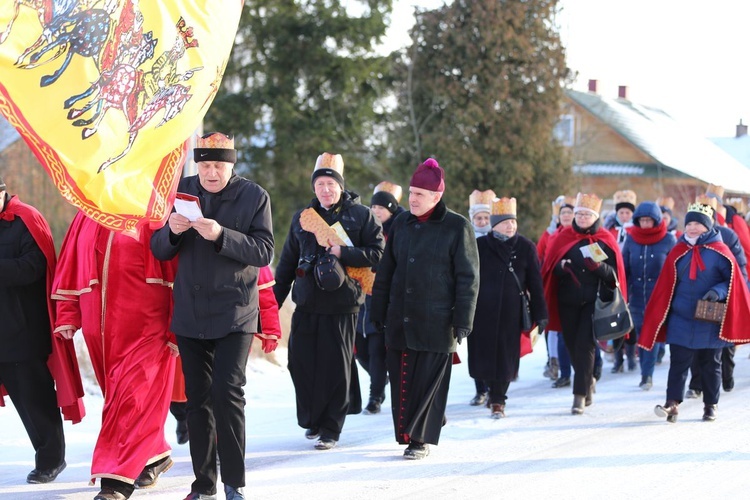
<point x="611" y="319"/>
<point x="713" y="312"/>
<point x="329" y="274"/>
<point x="526" y="320"/>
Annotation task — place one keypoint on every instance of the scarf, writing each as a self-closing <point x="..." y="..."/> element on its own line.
<point x="426" y="215"/>
<point x="648" y="236"/>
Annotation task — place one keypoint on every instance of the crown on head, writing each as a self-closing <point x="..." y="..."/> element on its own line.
<point x="665" y="201"/>
<point x="329" y="160"/>
<point x="738" y="204"/>
<point x="390" y="187"/>
<point x="589" y="201"/>
<point x="215" y="140"/>
<point x="625" y="196"/>
<point x="504" y="206"/>
<point x="717" y="191"/>
<point x="478" y="197"/>
<point x="701" y="208"/>
<point x="704" y="199"/>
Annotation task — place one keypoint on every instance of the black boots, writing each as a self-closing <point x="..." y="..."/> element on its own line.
<point x="710" y="413"/>
<point x="479" y="399"/>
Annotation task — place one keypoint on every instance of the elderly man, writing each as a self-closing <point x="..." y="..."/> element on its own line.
<point x="424" y="295"/>
<point x="321" y="343"/>
<point x="216" y="306"/>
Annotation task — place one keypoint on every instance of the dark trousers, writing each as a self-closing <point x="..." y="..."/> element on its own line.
<point x="214" y="376"/>
<point x="371" y="355"/>
<point x="498" y="391"/>
<point x="178" y="409"/>
<point x="563" y="357"/>
<point x="708" y="363"/>
<point x="727" y="370"/>
<point x="578" y="333"/>
<point x="32" y="390"/>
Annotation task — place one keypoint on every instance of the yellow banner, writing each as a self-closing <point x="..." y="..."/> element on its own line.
<point x="107" y="93"/>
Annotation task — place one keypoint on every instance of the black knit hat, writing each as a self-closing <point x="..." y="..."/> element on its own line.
<point x="702" y="214"/>
<point x="385" y="200"/>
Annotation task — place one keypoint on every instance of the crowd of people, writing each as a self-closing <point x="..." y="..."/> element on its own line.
<point x="168" y="316"/>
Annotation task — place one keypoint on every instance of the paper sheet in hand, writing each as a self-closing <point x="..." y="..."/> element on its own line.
<point x="188" y="205"/>
<point x="341" y="232"/>
<point x="594" y="252"/>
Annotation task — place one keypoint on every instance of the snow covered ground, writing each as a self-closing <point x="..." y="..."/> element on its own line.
<point x="617" y="449"/>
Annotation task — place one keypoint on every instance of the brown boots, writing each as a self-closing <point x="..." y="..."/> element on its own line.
<point x="669" y="410"/>
<point x="578" y="402"/>
<point x="498" y="411"/>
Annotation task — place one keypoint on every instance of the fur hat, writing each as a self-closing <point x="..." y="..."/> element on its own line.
<point x="215" y="146"/>
<point x="430" y="176"/>
<point x="330" y="165"/>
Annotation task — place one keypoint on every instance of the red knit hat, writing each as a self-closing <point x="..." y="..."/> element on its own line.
<point x="429" y="176"/>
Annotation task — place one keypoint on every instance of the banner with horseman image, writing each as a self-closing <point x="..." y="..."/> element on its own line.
<point x="107" y="93"/>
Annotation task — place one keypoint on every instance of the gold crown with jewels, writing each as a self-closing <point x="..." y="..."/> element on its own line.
<point x="701" y="208"/>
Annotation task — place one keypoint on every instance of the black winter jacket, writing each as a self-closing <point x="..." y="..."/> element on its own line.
<point x="427" y="282"/>
<point x="216" y="288"/>
<point x="366" y="235"/>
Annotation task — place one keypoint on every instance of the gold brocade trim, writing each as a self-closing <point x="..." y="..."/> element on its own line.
<point x="110" y="476"/>
<point x="63" y="294"/>
<point x="159" y="281"/>
<point x="65" y="327"/>
<point x="267" y="285"/>
<point x="158" y="457"/>
<point x="105" y="284"/>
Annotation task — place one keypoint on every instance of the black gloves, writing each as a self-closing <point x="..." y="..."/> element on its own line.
<point x="542" y="324"/>
<point x="460" y="333"/>
<point x="711" y="296"/>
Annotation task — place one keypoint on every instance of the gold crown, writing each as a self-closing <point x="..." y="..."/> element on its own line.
<point x="738" y="204"/>
<point x="215" y="140"/>
<point x="390" y="187"/>
<point x="665" y="201"/>
<point x="718" y="191"/>
<point x="626" y="196"/>
<point x="559" y="202"/>
<point x="701" y="208"/>
<point x="329" y="160"/>
<point x="706" y="200"/>
<point x="504" y="206"/>
<point x="478" y="197"/>
<point x="589" y="201"/>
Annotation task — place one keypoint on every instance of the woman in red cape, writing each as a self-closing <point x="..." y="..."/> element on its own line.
<point x="110" y="285"/>
<point x="700" y="266"/>
<point x="571" y="284"/>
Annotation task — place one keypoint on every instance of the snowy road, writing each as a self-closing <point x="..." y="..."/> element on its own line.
<point x="617" y="449"/>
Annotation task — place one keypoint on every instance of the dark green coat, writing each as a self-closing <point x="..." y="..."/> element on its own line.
<point x="427" y="281"/>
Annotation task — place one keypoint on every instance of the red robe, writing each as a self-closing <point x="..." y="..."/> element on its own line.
<point x="558" y="247"/>
<point x="739" y="226"/>
<point x="110" y="285"/>
<point x="62" y="363"/>
<point x="270" y="325"/>
<point x="734" y="327"/>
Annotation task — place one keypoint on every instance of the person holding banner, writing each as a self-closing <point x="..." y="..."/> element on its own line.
<point x="216" y="304"/>
<point x="321" y="341"/>
<point x="110" y="286"/>
<point x="27" y="264"/>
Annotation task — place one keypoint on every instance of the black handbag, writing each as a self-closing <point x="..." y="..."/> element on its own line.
<point x="526" y="321"/>
<point x="329" y="274"/>
<point x="611" y="319"/>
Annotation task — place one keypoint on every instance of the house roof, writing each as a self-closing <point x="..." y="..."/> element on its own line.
<point x="8" y="134"/>
<point x="738" y="147"/>
<point x="669" y="143"/>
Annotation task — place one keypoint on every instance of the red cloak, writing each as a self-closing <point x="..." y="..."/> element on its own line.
<point x="739" y="226"/>
<point x="62" y="363"/>
<point x="558" y="247"/>
<point x="734" y="327"/>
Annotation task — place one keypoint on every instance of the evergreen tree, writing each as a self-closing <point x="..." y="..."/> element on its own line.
<point x="480" y="90"/>
<point x="303" y="78"/>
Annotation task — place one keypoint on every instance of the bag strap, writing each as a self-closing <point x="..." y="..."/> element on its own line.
<point x="513" y="272"/>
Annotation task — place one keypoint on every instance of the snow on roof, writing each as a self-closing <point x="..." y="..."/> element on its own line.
<point x="668" y="142"/>
<point x="738" y="147"/>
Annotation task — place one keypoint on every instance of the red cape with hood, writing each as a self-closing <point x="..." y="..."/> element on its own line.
<point x="62" y="363"/>
<point x="559" y="246"/>
<point x="734" y="326"/>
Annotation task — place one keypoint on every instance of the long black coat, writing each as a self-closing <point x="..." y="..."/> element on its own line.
<point x="495" y="342"/>
<point x="216" y="288"/>
<point x="427" y="281"/>
<point x="25" y="333"/>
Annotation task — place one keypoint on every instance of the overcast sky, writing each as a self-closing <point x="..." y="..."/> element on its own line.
<point x="687" y="58"/>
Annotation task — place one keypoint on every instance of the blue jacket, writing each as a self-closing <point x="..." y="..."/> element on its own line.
<point x="682" y="328"/>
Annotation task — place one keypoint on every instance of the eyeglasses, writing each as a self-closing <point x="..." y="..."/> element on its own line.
<point x="585" y="215"/>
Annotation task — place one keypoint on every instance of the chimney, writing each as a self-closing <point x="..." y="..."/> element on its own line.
<point x="622" y="92"/>
<point x="592" y="86"/>
<point x="741" y="130"/>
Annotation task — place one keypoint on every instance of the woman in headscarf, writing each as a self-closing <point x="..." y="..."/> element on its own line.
<point x="508" y="267"/>
<point x="699" y="267"/>
<point x="583" y="260"/>
<point x="644" y="253"/>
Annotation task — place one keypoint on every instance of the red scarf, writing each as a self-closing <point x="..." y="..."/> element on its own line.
<point x="558" y="247"/>
<point x="63" y="364"/>
<point x="648" y="236"/>
<point x="734" y="328"/>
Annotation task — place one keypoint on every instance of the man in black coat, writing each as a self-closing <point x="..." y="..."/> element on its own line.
<point x="216" y="306"/>
<point x="424" y="297"/>
<point x="321" y="342"/>
<point x="25" y="338"/>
